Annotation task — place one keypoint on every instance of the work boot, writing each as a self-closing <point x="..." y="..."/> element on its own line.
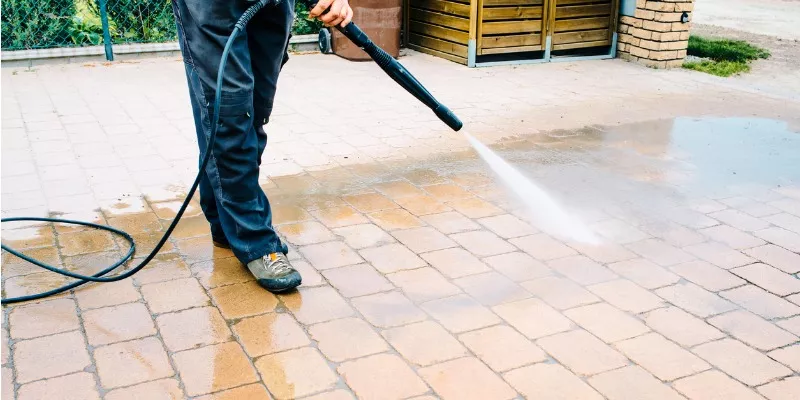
<point x="274" y="273"/>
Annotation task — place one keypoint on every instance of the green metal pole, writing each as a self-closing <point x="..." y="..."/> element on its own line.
<point x="106" y="31"/>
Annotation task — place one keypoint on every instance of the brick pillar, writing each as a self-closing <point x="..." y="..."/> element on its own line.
<point x="654" y="35"/>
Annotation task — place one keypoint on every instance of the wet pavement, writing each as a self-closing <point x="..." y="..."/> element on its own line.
<point x="423" y="276"/>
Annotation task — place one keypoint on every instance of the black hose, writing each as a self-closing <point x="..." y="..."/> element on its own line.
<point x="98" y="277"/>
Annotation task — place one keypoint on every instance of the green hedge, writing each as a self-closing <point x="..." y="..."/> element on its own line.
<point x="36" y="24"/>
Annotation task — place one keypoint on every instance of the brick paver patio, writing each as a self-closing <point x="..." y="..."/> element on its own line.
<point x="423" y="277"/>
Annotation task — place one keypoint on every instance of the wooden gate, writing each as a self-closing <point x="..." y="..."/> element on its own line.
<point x="478" y="31"/>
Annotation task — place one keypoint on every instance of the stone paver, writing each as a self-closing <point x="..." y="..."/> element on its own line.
<point x="423" y="276"/>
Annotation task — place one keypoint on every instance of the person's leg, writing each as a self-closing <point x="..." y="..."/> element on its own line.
<point x="268" y="38"/>
<point x="232" y="171"/>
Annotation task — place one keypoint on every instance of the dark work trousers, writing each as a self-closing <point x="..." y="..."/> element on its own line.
<point x="230" y="196"/>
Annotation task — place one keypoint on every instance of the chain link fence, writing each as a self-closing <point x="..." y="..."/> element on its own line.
<point x="44" y="24"/>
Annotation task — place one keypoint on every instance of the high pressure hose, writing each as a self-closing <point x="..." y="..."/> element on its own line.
<point x="393" y="68"/>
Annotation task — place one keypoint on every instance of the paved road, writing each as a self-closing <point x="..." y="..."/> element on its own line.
<point x="779" y="18"/>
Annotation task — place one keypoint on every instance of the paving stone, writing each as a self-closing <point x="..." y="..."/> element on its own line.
<point x="550" y="381"/>
<point x="518" y="266"/>
<point x="42" y="319"/>
<point x="502" y="348"/>
<point x="388" y="310"/>
<point x="708" y="276"/>
<point x="533" y="318"/>
<point x="105" y="294"/>
<point x="659" y="252"/>
<point x="243" y="299"/>
<point x="424" y="343"/>
<point x="136" y="361"/>
<point x="330" y="255"/>
<point x="332" y="395"/>
<point x="627" y="296"/>
<point x="741" y="362"/>
<point x="739" y="220"/>
<point x="695" y="299"/>
<point x="7" y="383"/>
<point x="761" y="302"/>
<point x="719" y="255"/>
<point x="455" y="263"/>
<point x="337" y="217"/>
<point x="306" y="233"/>
<point x="542" y="247"/>
<point x="423" y="284"/>
<point x="422" y="205"/>
<point x="296" y="373"/>
<point x="168" y="389"/>
<point x="425" y="239"/>
<point x="80" y="386"/>
<point x="392" y="258"/>
<point x="664" y="359"/>
<point x="174" y="295"/>
<point x="466" y="378"/>
<point x="604" y="252"/>
<point x="777" y="257"/>
<point x="606" y="322"/>
<point x="270" y="333"/>
<point x="363" y="235"/>
<point x="769" y="278"/>
<point x="732" y="237"/>
<point x="118" y="323"/>
<point x="789" y="356"/>
<point x="460" y="313"/>
<point x="162" y="268"/>
<point x="713" y="385"/>
<point x="475" y="208"/>
<point x="582" y="353"/>
<point x="681" y="327"/>
<point x="394" y="219"/>
<point x="632" y="383"/>
<point x="450" y="222"/>
<point x="357" y="280"/>
<point x="786" y="389"/>
<point x="192" y="328"/>
<point x="507" y="226"/>
<point x="346" y="338"/>
<point x="381" y="376"/>
<point x="249" y="392"/>
<point x="559" y="292"/>
<point x="313" y="305"/>
<point x="781" y="237"/>
<point x="491" y="288"/>
<point x="370" y="202"/>
<point x="213" y="368"/>
<point x="482" y="243"/>
<point x="785" y="221"/>
<point x="49" y="356"/>
<point x="221" y="272"/>
<point x="582" y="270"/>
<point x="618" y="231"/>
<point x="644" y="273"/>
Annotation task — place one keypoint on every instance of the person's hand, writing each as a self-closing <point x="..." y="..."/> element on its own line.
<point x="339" y="12"/>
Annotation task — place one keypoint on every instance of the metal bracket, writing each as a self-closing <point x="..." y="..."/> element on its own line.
<point x="472" y="50"/>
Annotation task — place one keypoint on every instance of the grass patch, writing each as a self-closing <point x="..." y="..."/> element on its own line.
<point x="726" y="57"/>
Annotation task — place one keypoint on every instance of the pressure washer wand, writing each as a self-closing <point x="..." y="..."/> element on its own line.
<point x="396" y="71"/>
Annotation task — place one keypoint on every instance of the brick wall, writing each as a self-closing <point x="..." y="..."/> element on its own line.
<point x="655" y="35"/>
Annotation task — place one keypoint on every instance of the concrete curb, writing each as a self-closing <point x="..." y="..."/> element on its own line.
<point x="64" y="55"/>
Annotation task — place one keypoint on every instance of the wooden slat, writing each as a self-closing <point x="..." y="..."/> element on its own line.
<point x="447" y="7"/>
<point x="581" y="24"/>
<point x="503" y="50"/>
<point x="511" y="41"/>
<point x="503" y="13"/>
<point x="573" y="2"/>
<point x="493" y="3"/>
<point x="581" y="45"/>
<point x="580" y="36"/>
<point x="449" y="21"/>
<point x="506" y="27"/>
<point x="583" y="11"/>
<point x="460" y="60"/>
<point x="439" y="45"/>
<point x="439" y="32"/>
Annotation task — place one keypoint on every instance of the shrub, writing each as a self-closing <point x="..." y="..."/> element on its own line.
<point x="302" y="24"/>
<point x="35" y="24"/>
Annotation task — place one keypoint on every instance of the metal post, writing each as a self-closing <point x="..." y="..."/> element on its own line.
<point x="106" y="31"/>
